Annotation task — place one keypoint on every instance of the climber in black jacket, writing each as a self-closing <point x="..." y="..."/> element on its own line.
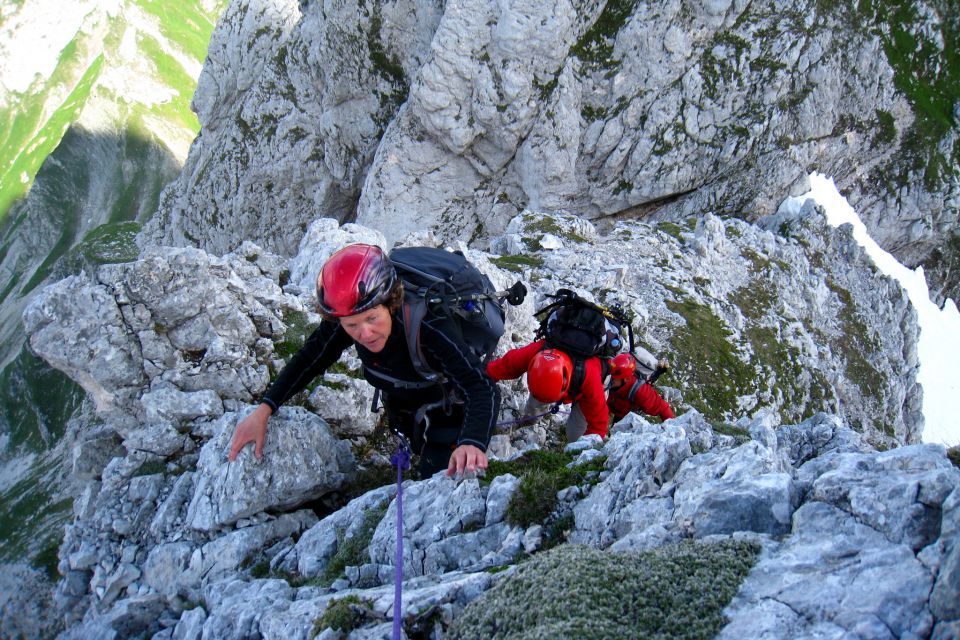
<point x="360" y="298"/>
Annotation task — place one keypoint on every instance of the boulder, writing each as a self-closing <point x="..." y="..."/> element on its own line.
<point x="301" y="461"/>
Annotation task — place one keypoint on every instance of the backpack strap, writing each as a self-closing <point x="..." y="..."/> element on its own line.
<point x="413" y="311"/>
<point x="605" y="368"/>
<point x="637" y="383"/>
<point x="579" y="375"/>
<point x="398" y="383"/>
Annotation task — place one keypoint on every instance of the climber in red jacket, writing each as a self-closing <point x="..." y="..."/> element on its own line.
<point x="552" y="376"/>
<point x="629" y="392"/>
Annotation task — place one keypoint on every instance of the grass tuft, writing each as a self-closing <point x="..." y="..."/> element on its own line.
<point x="542" y="474"/>
<point x="344" y="614"/>
<point x="351" y="552"/>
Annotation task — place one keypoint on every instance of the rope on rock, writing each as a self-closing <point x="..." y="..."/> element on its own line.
<point x="400" y="458"/>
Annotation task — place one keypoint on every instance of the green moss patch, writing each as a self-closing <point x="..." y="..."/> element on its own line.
<point x="930" y="78"/>
<point x="517" y="263"/>
<point x="671" y="229"/>
<point x="854" y="344"/>
<point x="595" y="48"/>
<point x="115" y="242"/>
<point x="677" y="592"/>
<point x="298" y="329"/>
<point x="535" y="227"/>
<point x="706" y="361"/>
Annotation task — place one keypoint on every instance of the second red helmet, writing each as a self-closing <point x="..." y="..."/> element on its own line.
<point x="354" y="279"/>
<point x="549" y="374"/>
<point x="622" y="366"/>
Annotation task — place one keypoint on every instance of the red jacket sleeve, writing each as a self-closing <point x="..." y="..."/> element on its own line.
<point x="592" y="400"/>
<point x="513" y="363"/>
<point x="645" y="398"/>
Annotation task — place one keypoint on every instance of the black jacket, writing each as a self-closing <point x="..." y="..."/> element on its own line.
<point x="443" y="350"/>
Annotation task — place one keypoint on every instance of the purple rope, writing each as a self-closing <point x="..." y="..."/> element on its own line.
<point x="401" y="458"/>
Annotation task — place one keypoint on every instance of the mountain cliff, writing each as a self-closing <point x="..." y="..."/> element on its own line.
<point x="457" y="116"/>
<point x="776" y="460"/>
<point x="94" y="120"/>
<point x="634" y="152"/>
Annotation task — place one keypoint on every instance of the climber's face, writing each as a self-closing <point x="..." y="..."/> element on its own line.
<point x="369" y="329"/>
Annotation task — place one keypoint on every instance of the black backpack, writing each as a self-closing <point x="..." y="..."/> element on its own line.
<point x="446" y="283"/>
<point x="582" y="329"/>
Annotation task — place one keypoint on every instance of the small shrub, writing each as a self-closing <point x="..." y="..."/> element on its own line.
<point x="678" y="592"/>
<point x="542" y="474"/>
<point x="261" y="569"/>
<point x="740" y="434"/>
<point x="534" y="499"/>
<point x="555" y="531"/>
<point x="953" y="453"/>
<point x="344" y="614"/>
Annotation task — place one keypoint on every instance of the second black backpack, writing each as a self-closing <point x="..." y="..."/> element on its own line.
<point x="580" y="328"/>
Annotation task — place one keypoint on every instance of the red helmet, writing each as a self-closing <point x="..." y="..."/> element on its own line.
<point x="622" y="366"/>
<point x="549" y="375"/>
<point x="354" y="279"/>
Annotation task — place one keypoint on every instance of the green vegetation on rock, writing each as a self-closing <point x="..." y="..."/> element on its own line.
<point x="351" y="551"/>
<point x="953" y="454"/>
<point x="108" y="243"/>
<point x="343" y="614"/>
<point x="926" y="68"/>
<point x="542" y="474"/>
<point x="854" y="344"/>
<point x="298" y="329"/>
<point x="674" y="592"/>
<point x="517" y="263"/>
<point x="706" y="360"/>
<point x="595" y="48"/>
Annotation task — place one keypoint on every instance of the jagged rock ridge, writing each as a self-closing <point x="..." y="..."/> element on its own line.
<point x="456" y="117"/>
<point x="165" y="522"/>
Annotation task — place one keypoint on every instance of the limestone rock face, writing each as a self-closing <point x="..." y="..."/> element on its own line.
<point x="302" y="460"/>
<point x="455" y="117"/>
<point x="792" y="362"/>
<point x="167" y="338"/>
<point x="292" y="105"/>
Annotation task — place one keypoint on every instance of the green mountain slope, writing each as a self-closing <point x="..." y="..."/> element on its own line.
<point x="144" y="60"/>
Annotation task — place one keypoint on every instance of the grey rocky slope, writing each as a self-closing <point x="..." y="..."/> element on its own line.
<point x="171" y="541"/>
<point x="457" y="116"/>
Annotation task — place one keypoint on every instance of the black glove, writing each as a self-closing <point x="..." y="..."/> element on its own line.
<point x="516" y="293"/>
